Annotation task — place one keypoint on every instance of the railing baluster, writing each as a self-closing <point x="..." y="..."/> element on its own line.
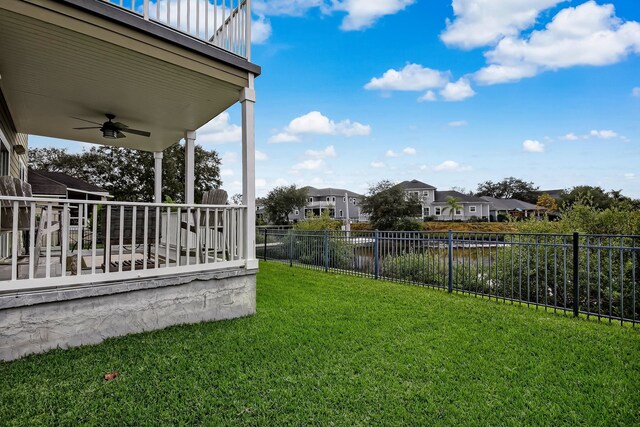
<point x="49" y="241"/>
<point x="94" y="236"/>
<point x="121" y="239"/>
<point x="80" y="236"/>
<point x="32" y="239"/>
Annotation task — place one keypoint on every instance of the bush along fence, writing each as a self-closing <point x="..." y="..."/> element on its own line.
<point x="593" y="275"/>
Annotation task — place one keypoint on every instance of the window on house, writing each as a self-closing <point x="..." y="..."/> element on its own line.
<point x="354" y="201"/>
<point x="426" y="212"/>
<point x="23" y="171"/>
<point x="310" y="199"/>
<point x="458" y="211"/>
<point x="341" y="215"/>
<point x="344" y="199"/>
<point x="472" y="209"/>
<point x="296" y="212"/>
<point x="438" y="210"/>
<point x="333" y="199"/>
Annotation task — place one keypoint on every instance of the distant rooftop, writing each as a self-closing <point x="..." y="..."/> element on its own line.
<point x="57" y="183"/>
<point x="509" y="204"/>
<point x="414" y="184"/>
<point x="318" y="192"/>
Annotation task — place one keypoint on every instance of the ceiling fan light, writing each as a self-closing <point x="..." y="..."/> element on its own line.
<point x="109" y="133"/>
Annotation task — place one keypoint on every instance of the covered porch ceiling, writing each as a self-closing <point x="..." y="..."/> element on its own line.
<point x="54" y="67"/>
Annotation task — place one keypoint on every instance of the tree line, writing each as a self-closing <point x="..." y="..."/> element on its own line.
<point x="128" y="175"/>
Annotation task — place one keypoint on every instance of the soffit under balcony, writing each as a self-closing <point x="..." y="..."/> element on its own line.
<point x="54" y="67"/>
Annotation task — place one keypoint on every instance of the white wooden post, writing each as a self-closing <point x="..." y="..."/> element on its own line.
<point x="189" y="166"/>
<point x="157" y="156"/>
<point x="248" y="99"/>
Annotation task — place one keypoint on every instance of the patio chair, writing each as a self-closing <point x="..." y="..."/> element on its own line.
<point x="216" y="197"/>
<point x="111" y="264"/>
<point x="10" y="186"/>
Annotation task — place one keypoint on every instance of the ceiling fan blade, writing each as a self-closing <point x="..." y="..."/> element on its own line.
<point x="137" y="132"/>
<point x="120" y="125"/>
<point x="88" y="121"/>
<point x="120" y="135"/>
<point x="91" y="127"/>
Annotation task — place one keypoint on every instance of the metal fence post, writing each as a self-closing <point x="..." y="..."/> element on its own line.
<point x="376" y="257"/>
<point x="576" y="276"/>
<point x="326" y="250"/>
<point x="265" y="244"/>
<point x="291" y="248"/>
<point x="450" y="260"/>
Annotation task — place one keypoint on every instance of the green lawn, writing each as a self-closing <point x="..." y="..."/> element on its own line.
<point x="326" y="349"/>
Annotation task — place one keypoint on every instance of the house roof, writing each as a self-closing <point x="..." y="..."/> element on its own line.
<point x="42" y="185"/>
<point x="441" y="197"/>
<point x="509" y="204"/>
<point x="43" y="182"/>
<point x="319" y="192"/>
<point x="414" y="184"/>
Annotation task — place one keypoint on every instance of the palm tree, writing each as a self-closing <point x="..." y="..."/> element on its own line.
<point x="452" y="205"/>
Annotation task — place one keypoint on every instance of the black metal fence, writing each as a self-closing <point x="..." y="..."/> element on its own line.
<point x="594" y="275"/>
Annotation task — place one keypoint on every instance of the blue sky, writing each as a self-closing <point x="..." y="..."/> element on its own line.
<point x="450" y="93"/>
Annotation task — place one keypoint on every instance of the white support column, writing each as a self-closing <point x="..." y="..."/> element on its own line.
<point x="189" y="166"/>
<point x="248" y="100"/>
<point x="157" y="197"/>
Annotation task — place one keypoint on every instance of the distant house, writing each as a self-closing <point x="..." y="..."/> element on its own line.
<point x="434" y="202"/>
<point x="60" y="185"/>
<point x="338" y="202"/>
<point x="512" y="207"/>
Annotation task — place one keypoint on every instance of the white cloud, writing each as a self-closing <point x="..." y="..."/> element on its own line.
<point x="533" y="146"/>
<point x="391" y="153"/>
<point x="330" y="151"/>
<point x="260" y="183"/>
<point x="429" y="96"/>
<point x="229" y="157"/>
<point x="284" y="7"/>
<point x="362" y="14"/>
<point x="630" y="175"/>
<point x="409" y="151"/>
<point x="311" y="164"/>
<point x="588" y="34"/>
<point x="603" y="134"/>
<point x="635" y="91"/>
<point x="260" y="156"/>
<point x="226" y="172"/>
<point x="319" y="124"/>
<point x="570" y="137"/>
<point x="484" y="22"/>
<point x="279" y="182"/>
<point x="283" y="137"/>
<point x="457" y="91"/>
<point x="219" y="131"/>
<point x="451" y="166"/>
<point x="377" y="165"/>
<point x="413" y="77"/>
<point x="458" y="123"/>
<point x="260" y="30"/>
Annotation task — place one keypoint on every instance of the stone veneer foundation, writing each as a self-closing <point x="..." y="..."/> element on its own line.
<point x="37" y="322"/>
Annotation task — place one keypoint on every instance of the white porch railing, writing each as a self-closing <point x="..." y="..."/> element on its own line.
<point x="222" y="23"/>
<point x="53" y="243"/>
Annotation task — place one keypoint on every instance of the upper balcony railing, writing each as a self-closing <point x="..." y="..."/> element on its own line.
<point x="222" y="23"/>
